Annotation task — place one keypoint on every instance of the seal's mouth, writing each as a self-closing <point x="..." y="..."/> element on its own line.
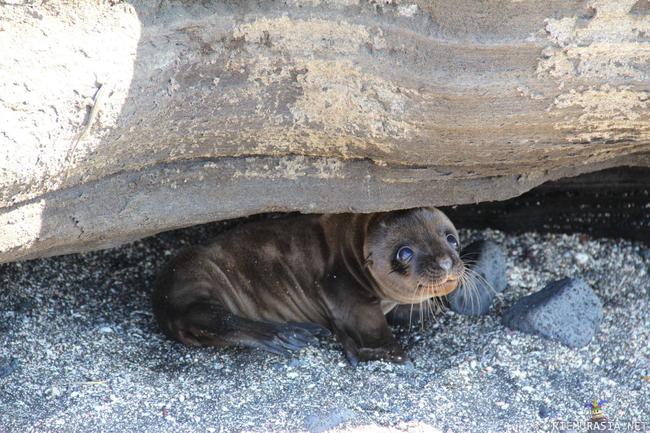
<point x="439" y="288"/>
<point x="445" y="287"/>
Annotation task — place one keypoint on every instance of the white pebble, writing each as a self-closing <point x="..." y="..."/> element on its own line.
<point x="581" y="258"/>
<point x="518" y="374"/>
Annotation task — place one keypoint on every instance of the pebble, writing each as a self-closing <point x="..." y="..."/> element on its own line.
<point x="544" y="411"/>
<point x="8" y="367"/>
<point x="581" y="258"/>
<point x="319" y="424"/>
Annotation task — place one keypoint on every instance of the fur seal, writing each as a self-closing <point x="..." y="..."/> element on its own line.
<point x="278" y="284"/>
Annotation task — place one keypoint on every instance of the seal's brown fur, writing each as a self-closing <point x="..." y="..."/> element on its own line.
<point x="277" y="284"/>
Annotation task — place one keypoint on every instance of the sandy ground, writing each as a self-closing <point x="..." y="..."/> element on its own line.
<point x="80" y="352"/>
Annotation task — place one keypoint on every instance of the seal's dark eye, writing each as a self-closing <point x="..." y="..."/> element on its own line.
<point x="404" y="254"/>
<point x="451" y="239"/>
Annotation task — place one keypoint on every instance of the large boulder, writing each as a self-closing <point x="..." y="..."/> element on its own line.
<point x="212" y="110"/>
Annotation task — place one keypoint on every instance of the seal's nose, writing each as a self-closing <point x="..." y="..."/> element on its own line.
<point x="445" y="262"/>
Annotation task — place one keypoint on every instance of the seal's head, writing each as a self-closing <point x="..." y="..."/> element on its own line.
<point x="413" y="255"/>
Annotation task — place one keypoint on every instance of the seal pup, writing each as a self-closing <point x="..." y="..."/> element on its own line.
<point x="278" y="284"/>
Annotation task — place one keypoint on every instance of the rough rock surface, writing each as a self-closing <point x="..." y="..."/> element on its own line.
<point x="211" y="110"/>
<point x="567" y="311"/>
<point x="487" y="267"/>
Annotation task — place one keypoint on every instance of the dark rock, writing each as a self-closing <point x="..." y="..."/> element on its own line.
<point x="567" y="311"/>
<point x="318" y="424"/>
<point x="645" y="253"/>
<point x="8" y="367"/>
<point x="487" y="263"/>
<point x="25" y="305"/>
<point x="544" y="411"/>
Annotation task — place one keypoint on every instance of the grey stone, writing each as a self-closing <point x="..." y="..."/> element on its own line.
<point x="645" y="253"/>
<point x="544" y="411"/>
<point x="8" y="367"/>
<point x="319" y="424"/>
<point x="214" y="110"/>
<point x="567" y="311"/>
<point x="487" y="266"/>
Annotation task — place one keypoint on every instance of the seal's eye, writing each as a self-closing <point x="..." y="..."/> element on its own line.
<point x="404" y="254"/>
<point x="451" y="239"/>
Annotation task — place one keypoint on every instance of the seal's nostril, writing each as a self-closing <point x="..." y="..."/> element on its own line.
<point x="445" y="262"/>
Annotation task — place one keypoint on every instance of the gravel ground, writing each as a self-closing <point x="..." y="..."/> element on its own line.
<point x="80" y="352"/>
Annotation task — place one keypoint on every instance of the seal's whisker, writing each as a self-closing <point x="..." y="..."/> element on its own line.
<point x="465" y="258"/>
<point x="434" y="302"/>
<point x="472" y="294"/>
<point x="465" y="287"/>
<point x="481" y="278"/>
<point x="410" y="317"/>
<point x="421" y="318"/>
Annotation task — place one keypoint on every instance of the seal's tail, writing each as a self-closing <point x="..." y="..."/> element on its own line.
<point x="211" y="324"/>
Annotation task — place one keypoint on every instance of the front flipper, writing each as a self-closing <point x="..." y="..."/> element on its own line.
<point x="390" y="352"/>
<point x="360" y="325"/>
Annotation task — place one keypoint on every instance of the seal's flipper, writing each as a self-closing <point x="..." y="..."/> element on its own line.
<point x="209" y="324"/>
<point x="312" y="328"/>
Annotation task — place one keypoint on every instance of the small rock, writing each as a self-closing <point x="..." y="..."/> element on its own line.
<point x="487" y="266"/>
<point x="296" y="362"/>
<point x="105" y="330"/>
<point x="581" y="258"/>
<point x="567" y="311"/>
<point x="544" y="411"/>
<point x="292" y="375"/>
<point x="645" y="253"/>
<point x="319" y="424"/>
<point x="8" y="367"/>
